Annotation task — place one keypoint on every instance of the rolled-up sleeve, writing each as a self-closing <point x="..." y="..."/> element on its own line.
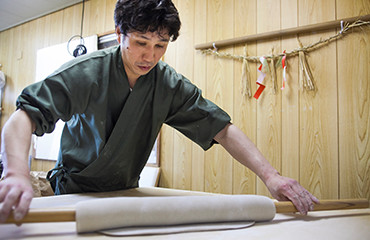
<point x="42" y="102"/>
<point x="196" y="117"/>
<point x="59" y="96"/>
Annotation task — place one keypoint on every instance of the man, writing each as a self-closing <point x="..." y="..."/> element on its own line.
<point x="114" y="103"/>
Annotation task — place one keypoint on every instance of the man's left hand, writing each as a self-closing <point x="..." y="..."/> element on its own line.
<point x="287" y="189"/>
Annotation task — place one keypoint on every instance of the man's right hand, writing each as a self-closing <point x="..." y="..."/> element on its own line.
<point x="15" y="194"/>
<point x="15" y="189"/>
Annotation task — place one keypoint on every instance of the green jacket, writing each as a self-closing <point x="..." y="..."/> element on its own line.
<point x="110" y="130"/>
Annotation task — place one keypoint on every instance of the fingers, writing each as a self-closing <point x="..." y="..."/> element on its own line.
<point x="3" y="191"/>
<point x="22" y="207"/>
<point x="313" y="198"/>
<point x="305" y="203"/>
<point x="17" y="201"/>
<point x="14" y="198"/>
<point x="302" y="199"/>
<point x="291" y="190"/>
<point x="10" y="200"/>
<point x="298" y="199"/>
<point x="4" y="209"/>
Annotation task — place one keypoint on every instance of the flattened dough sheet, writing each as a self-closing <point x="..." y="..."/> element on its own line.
<point x="162" y="230"/>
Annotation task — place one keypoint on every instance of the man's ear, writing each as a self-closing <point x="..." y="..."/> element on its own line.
<point x="118" y="33"/>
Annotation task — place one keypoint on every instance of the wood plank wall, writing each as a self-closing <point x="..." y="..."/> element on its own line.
<point x="321" y="139"/>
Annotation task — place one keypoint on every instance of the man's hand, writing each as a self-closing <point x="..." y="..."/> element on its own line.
<point x="287" y="189"/>
<point x="16" y="190"/>
<point x="281" y="188"/>
<point x="15" y="194"/>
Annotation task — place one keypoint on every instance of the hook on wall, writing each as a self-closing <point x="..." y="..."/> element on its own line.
<point x="214" y="47"/>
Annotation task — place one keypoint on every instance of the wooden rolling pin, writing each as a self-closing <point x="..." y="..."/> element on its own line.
<point x="324" y="205"/>
<point x="69" y="214"/>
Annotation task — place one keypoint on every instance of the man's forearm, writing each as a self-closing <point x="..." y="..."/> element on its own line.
<point x="244" y="151"/>
<point x="15" y="189"/>
<point x="15" y="143"/>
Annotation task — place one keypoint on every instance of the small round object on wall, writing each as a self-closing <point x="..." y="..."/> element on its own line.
<point x="80" y="48"/>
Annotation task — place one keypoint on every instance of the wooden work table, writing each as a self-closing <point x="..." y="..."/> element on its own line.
<point x="336" y="224"/>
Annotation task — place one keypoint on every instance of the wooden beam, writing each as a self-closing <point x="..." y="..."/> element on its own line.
<point x="281" y="33"/>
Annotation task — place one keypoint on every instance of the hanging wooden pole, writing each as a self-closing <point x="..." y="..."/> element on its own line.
<point x="281" y="33"/>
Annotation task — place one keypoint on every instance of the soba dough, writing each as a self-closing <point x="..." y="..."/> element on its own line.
<point x="129" y="212"/>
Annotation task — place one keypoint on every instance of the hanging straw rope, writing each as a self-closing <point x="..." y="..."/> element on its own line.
<point x="246" y="77"/>
<point x="305" y="74"/>
<point x="273" y="73"/>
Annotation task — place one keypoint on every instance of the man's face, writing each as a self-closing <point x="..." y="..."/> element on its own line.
<point x="141" y="51"/>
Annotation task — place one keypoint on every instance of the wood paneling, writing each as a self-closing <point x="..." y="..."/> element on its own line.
<point x="321" y="139"/>
<point x="354" y="106"/>
<point x="218" y="164"/>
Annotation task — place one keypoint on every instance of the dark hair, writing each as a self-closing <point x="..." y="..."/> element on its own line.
<point x="147" y="15"/>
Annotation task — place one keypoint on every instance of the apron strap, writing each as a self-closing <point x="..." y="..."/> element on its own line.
<point x="54" y="176"/>
<point x="51" y="178"/>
